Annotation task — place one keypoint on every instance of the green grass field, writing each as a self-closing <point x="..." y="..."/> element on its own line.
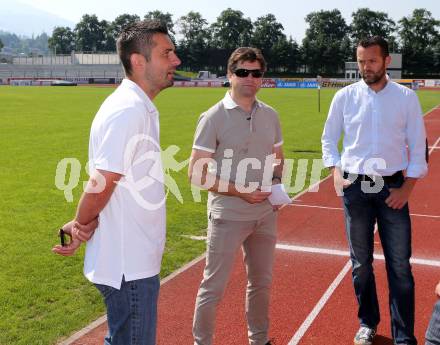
<point x="44" y="297"/>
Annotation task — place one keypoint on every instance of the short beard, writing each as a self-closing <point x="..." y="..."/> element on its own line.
<point x="375" y="78"/>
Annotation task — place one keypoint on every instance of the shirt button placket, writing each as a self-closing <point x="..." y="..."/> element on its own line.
<point x="375" y="127"/>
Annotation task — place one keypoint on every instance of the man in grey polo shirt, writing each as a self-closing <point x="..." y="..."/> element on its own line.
<point x="239" y="138"/>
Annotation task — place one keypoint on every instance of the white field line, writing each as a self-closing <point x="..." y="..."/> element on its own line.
<point x="318" y="307"/>
<point x="311" y="188"/>
<point x="333" y="252"/>
<point x="341" y="209"/>
<point x="327" y="294"/>
<point x="345" y="253"/>
<point x="435" y="146"/>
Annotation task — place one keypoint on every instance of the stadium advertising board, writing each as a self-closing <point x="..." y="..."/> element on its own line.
<point x="285" y="84"/>
<point x="420" y="82"/>
<point x="198" y="83"/>
<point x="269" y="83"/>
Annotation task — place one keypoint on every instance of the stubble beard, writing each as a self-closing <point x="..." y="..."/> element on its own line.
<point x="375" y="77"/>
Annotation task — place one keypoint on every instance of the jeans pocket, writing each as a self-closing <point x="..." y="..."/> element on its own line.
<point x="345" y="187"/>
<point x="105" y="290"/>
<point x="348" y="188"/>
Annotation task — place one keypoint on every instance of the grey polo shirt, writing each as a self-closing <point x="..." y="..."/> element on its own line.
<point x="241" y="144"/>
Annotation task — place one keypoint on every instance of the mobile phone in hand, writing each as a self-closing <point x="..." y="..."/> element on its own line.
<point x="62" y="235"/>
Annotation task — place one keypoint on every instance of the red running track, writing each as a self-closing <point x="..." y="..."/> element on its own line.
<point x="312" y="295"/>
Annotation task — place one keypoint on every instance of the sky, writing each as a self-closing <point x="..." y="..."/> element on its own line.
<point x="290" y="13"/>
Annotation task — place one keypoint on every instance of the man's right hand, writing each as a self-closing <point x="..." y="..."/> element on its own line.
<point x="255" y="197"/>
<point x="339" y="181"/>
<point x="84" y="232"/>
<point x="70" y="248"/>
<point x="77" y="233"/>
<point x="67" y="250"/>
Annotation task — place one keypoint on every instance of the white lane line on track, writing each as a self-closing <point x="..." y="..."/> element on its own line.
<point x="435" y="146"/>
<point x="318" y="307"/>
<point x="437" y="107"/>
<point x="345" y="253"/>
<point x="334" y="252"/>
<point x="341" y="209"/>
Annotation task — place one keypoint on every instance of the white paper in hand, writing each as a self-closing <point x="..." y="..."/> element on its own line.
<point x="279" y="195"/>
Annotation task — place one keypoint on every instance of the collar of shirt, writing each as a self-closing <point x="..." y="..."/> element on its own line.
<point x="127" y="83"/>
<point x="229" y="103"/>
<point x="365" y="86"/>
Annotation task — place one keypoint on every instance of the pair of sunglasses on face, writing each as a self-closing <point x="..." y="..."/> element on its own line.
<point x="243" y="73"/>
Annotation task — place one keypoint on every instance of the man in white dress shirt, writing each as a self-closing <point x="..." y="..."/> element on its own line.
<point x="126" y="189"/>
<point x="383" y="155"/>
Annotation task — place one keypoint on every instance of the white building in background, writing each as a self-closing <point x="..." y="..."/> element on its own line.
<point x="394" y="70"/>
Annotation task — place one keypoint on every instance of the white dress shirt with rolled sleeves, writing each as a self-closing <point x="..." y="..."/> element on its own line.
<point x="383" y="132"/>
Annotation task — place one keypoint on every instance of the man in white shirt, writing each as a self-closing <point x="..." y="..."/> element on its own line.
<point x="126" y="189"/>
<point x="383" y="155"/>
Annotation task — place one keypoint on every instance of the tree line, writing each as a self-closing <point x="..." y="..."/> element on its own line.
<point x="26" y="45"/>
<point x="329" y="41"/>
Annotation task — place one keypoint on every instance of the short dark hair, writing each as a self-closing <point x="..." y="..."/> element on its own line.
<point x="375" y="41"/>
<point x="246" y="54"/>
<point x="138" y="38"/>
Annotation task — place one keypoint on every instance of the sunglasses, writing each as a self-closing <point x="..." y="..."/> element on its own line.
<point x="243" y="73"/>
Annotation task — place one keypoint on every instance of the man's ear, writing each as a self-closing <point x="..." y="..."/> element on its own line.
<point x="387" y="60"/>
<point x="137" y="61"/>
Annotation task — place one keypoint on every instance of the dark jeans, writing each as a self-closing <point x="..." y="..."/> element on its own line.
<point x="362" y="211"/>
<point x="131" y="312"/>
<point x="433" y="331"/>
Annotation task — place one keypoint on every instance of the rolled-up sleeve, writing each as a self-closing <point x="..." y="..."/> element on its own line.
<point x="332" y="132"/>
<point x="416" y="139"/>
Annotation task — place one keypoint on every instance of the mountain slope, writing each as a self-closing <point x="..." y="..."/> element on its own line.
<point x="23" y="19"/>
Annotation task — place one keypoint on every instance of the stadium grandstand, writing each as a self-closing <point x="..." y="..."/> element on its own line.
<point x="105" y="68"/>
<point x="81" y="68"/>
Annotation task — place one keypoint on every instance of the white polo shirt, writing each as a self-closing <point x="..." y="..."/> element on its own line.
<point x="130" y="238"/>
<point x="387" y="125"/>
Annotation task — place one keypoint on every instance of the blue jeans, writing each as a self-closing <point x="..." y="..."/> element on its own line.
<point x="362" y="211"/>
<point x="131" y="311"/>
<point x="433" y="331"/>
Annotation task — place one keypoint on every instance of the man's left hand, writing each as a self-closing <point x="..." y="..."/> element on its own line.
<point x="398" y="198"/>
